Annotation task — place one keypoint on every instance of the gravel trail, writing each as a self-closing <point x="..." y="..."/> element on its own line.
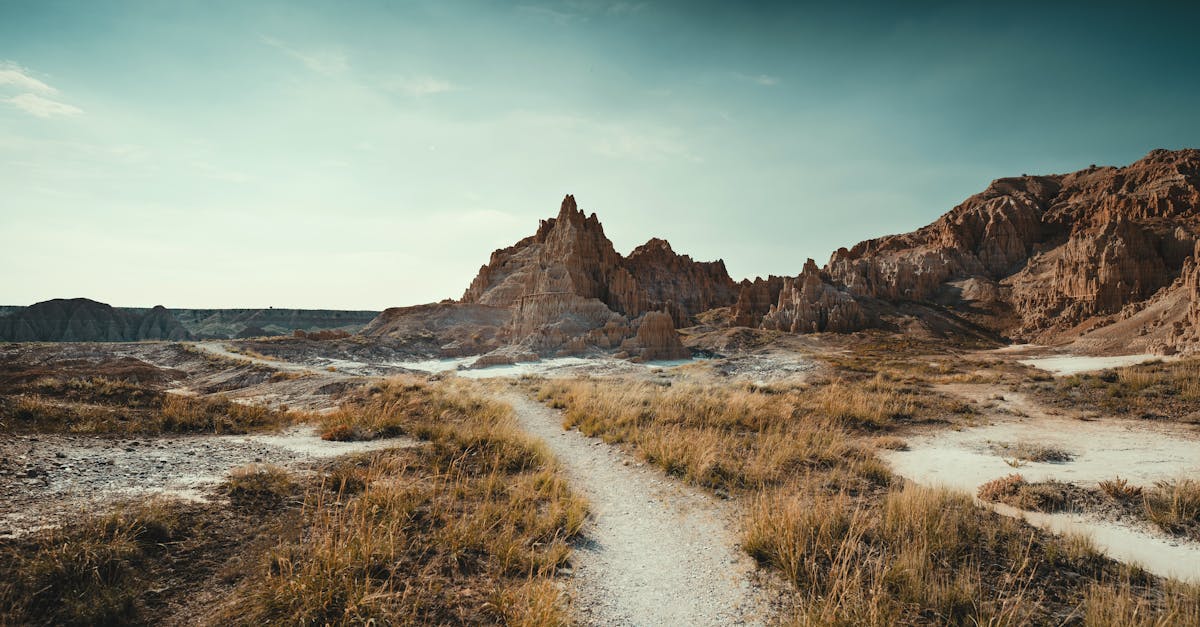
<point x="656" y="552"/>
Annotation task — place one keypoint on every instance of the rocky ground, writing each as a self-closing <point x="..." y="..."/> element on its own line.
<point x="46" y="478"/>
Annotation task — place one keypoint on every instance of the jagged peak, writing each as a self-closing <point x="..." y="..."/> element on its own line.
<point x="569" y="208"/>
<point x="654" y="243"/>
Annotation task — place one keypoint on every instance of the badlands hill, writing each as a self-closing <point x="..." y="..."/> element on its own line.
<point x="231" y="323"/>
<point x="1106" y="256"/>
<point x="84" y="320"/>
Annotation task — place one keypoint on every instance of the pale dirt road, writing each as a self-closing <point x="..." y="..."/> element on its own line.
<point x="219" y="349"/>
<point x="656" y="552"/>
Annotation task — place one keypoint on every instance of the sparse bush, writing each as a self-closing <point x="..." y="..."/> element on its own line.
<point x="1034" y="452"/>
<point x="258" y="484"/>
<point x="1120" y="489"/>
<point x="1049" y="496"/>
<point x="1174" y="505"/>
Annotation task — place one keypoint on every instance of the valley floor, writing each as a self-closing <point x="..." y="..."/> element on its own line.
<point x="675" y="489"/>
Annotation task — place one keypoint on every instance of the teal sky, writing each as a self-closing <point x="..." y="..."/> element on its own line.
<point x="371" y="154"/>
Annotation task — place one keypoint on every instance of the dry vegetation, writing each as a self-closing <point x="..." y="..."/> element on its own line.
<point x="470" y="528"/>
<point x="860" y="546"/>
<point x="98" y="405"/>
<point x="1033" y="452"/>
<point x="1155" y="390"/>
<point x="1043" y="496"/>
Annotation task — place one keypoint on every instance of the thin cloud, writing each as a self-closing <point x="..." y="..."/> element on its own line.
<point x="19" y="77"/>
<point x="42" y="107"/>
<point x="420" y="85"/>
<point x="326" y="62"/>
<point x="766" y="80"/>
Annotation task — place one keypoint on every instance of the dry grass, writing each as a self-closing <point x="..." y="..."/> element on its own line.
<point x="1154" y="390"/>
<point x="921" y="555"/>
<point x="470" y="529"/>
<point x="1047" y="496"/>
<point x="1034" y="452"/>
<point x="87" y="573"/>
<point x="1174" y="505"/>
<point x="99" y="405"/>
<point x="1120" y="489"/>
<point x="1127" y="605"/>
<point x="738" y="437"/>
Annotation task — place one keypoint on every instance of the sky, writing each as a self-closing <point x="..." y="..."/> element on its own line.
<point x="361" y="155"/>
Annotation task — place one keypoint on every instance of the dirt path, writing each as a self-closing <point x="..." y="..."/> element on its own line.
<point x="221" y="350"/>
<point x="657" y="552"/>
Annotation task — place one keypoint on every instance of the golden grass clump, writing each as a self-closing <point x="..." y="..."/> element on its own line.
<point x="1047" y="496"/>
<point x="921" y="550"/>
<point x="1174" y="505"/>
<point x="86" y="572"/>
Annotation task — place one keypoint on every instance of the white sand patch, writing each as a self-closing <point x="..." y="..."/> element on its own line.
<point x="552" y="367"/>
<point x="1074" y="364"/>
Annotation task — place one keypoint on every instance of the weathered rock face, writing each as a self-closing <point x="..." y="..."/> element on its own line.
<point x="810" y="304"/>
<point x="678" y="285"/>
<point x="755" y="299"/>
<point x="230" y="323"/>
<point x="84" y="320"/>
<point x="655" y="340"/>
<point x="568" y="288"/>
<point x="447" y="329"/>
<point x="1054" y="251"/>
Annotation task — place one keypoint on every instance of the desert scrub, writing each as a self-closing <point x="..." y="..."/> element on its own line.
<point x="1033" y="452"/>
<point x="1154" y="390"/>
<point x="1014" y="490"/>
<point x="1174" y="506"/>
<point x="255" y="484"/>
<point x="154" y="413"/>
<point x="86" y="573"/>
<point x="931" y="556"/>
<point x="737" y="437"/>
<point x="470" y="529"/>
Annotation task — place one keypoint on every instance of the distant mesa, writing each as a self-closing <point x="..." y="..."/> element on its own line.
<point x="85" y="320"/>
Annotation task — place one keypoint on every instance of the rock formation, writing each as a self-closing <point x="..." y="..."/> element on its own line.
<point x="84" y="320"/>
<point x="568" y="288"/>
<point x="677" y="284"/>
<point x="1035" y="256"/>
<point x="810" y="304"/>
<point x="655" y="340"/>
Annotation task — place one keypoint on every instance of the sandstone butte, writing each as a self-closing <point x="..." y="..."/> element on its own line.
<point x="1105" y="255"/>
